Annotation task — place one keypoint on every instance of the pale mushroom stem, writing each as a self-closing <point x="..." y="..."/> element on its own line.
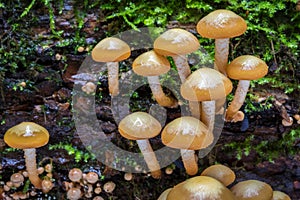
<point x="30" y="161"/>
<point x="221" y="54"/>
<point x="159" y="94"/>
<point x="208" y="114"/>
<point x="113" y="78"/>
<point x="184" y="71"/>
<point x="189" y="161"/>
<point x="150" y="158"/>
<point x="182" y="66"/>
<point x="238" y="99"/>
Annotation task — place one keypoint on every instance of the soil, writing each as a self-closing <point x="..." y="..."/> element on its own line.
<point x="50" y="103"/>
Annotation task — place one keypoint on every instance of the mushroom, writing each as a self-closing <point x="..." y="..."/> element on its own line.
<point x="278" y="195"/>
<point x="74" y="193"/>
<point x="141" y="126"/>
<point x="47" y="185"/>
<point x="91" y="177"/>
<point x="252" y="190"/>
<point x="75" y="175"/>
<point x="28" y="136"/>
<point x="187" y="134"/>
<point x="206" y="85"/>
<point x="109" y="187"/>
<point x="177" y="43"/>
<point x="111" y="50"/>
<point x="151" y="65"/>
<point x="200" y="187"/>
<point x="284" y="122"/>
<point x="164" y="195"/>
<point x="17" y="179"/>
<point x="243" y="68"/>
<point x="221" y="25"/>
<point x="220" y="172"/>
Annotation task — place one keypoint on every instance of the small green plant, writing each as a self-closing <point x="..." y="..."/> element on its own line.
<point x="79" y="155"/>
<point x="265" y="149"/>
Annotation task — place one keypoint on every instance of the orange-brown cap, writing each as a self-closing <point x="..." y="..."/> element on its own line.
<point x="220" y="172"/>
<point x="150" y="64"/>
<point x="252" y="190"/>
<point x="186" y="133"/>
<point x="111" y="50"/>
<point x="221" y="24"/>
<point x="26" y="135"/>
<point x="200" y="187"/>
<point x="176" y="41"/>
<point x="206" y="84"/>
<point x="278" y="195"/>
<point x="138" y="126"/>
<point x="247" y="67"/>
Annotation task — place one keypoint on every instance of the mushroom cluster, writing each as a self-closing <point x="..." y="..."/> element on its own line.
<point x="218" y="182"/>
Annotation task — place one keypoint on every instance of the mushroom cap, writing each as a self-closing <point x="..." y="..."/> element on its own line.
<point x="206" y="84"/>
<point x="111" y="50"/>
<point x="200" y="187"/>
<point x="175" y="42"/>
<point x="252" y="190"/>
<point x="247" y="67"/>
<point x="75" y="174"/>
<point x="164" y="194"/>
<point x="26" y="135"/>
<point x="186" y="133"/>
<point x="138" y="126"/>
<point x="221" y="24"/>
<point x="150" y="64"/>
<point x="278" y="195"/>
<point x="92" y="177"/>
<point x="220" y="172"/>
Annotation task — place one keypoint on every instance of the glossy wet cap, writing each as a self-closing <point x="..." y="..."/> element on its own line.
<point x="200" y="187"/>
<point x="278" y="195"/>
<point x="26" y="135"/>
<point x="150" y="64"/>
<point x="252" y="190"/>
<point x="247" y="67"/>
<point x="220" y="172"/>
<point x="186" y="133"/>
<point x="138" y="126"/>
<point x="221" y="24"/>
<point x="205" y="84"/>
<point x="111" y="50"/>
<point x="176" y="41"/>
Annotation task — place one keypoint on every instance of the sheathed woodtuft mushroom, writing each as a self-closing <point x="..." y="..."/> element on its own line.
<point x="28" y="136"/>
<point x="111" y="50"/>
<point x="243" y="68"/>
<point x="141" y="126"/>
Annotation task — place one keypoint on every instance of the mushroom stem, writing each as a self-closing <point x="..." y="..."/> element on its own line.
<point x="113" y="78"/>
<point x="158" y="93"/>
<point x="30" y="161"/>
<point x="182" y="66"/>
<point x="150" y="158"/>
<point x="208" y="114"/>
<point x="189" y="161"/>
<point x="195" y="109"/>
<point x="221" y="54"/>
<point x="238" y="99"/>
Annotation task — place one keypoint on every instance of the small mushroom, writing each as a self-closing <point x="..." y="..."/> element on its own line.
<point x="75" y="175"/>
<point x="278" y="195"/>
<point x="177" y="43"/>
<point x="47" y="185"/>
<point x="74" y="193"/>
<point x="243" y="68"/>
<point x="187" y="134"/>
<point x="141" y="126"/>
<point x="128" y="176"/>
<point x="221" y="25"/>
<point x="17" y="179"/>
<point x="151" y="65"/>
<point x="109" y="187"/>
<point x="287" y="123"/>
<point x="220" y="172"/>
<point x="200" y="187"/>
<point x="91" y="177"/>
<point x="28" y="136"/>
<point x="111" y="50"/>
<point x="252" y="190"/>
